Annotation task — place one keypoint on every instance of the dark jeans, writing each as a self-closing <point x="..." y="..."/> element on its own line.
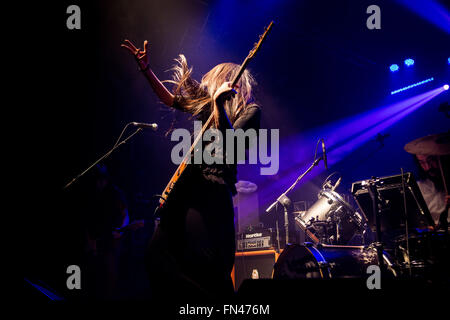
<point x="191" y="254"/>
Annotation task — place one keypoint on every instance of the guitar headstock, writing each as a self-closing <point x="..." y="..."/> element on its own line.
<point x="252" y="54"/>
<point x="261" y="39"/>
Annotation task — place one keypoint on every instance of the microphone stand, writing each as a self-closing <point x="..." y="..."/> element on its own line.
<point x="286" y="202"/>
<point x="117" y="145"/>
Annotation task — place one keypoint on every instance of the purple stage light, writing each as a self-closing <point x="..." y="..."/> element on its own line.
<point x="341" y="137"/>
<point x="430" y="10"/>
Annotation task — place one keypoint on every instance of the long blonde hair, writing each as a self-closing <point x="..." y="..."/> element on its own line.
<point x="196" y="97"/>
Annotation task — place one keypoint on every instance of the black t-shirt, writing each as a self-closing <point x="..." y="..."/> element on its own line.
<point x="225" y="173"/>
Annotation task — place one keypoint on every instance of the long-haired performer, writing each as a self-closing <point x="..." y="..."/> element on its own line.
<point x="191" y="254"/>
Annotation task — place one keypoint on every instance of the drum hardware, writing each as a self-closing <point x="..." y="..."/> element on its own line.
<point x="287" y="209"/>
<point x="278" y="235"/>
<point x="328" y="182"/>
<point x="392" y="194"/>
<point x="376" y="210"/>
<point x="428" y="255"/>
<point x="286" y="203"/>
<point x="326" y="267"/>
<point x="401" y="211"/>
<point x="299" y="222"/>
<point x="407" y="258"/>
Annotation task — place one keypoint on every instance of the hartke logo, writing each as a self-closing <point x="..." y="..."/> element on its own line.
<point x="253" y="235"/>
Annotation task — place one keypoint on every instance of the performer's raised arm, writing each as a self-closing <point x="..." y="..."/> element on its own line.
<point x="142" y="59"/>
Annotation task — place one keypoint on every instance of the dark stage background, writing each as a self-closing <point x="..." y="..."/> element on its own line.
<point x="320" y="64"/>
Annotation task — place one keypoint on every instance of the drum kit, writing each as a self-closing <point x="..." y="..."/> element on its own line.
<point x="392" y="228"/>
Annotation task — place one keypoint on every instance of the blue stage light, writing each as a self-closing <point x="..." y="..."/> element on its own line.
<point x="409" y="62"/>
<point x="448" y="60"/>
<point x="412" y="86"/>
<point x="445" y="86"/>
<point x="393" y="67"/>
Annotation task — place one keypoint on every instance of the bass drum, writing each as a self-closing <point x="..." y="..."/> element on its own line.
<point x="326" y="262"/>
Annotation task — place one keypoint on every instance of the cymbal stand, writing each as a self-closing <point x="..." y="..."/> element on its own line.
<point x="443" y="219"/>
<point x="408" y="257"/>
<point x="376" y="207"/>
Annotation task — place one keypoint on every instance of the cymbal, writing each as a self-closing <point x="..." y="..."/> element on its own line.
<point x="435" y="145"/>
<point x="243" y="186"/>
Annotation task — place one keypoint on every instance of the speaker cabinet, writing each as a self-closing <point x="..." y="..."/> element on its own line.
<point x="253" y="265"/>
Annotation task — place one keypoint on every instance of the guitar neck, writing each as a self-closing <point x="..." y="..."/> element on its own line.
<point x="241" y="71"/>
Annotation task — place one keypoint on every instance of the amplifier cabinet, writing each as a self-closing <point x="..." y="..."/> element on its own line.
<point x="253" y="265"/>
<point x="255" y="240"/>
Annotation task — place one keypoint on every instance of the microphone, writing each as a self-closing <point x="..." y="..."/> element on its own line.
<point x="324" y="155"/>
<point x="152" y="126"/>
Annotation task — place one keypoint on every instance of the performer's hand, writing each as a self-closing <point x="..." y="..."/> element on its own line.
<point x="224" y="93"/>
<point x="140" y="55"/>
